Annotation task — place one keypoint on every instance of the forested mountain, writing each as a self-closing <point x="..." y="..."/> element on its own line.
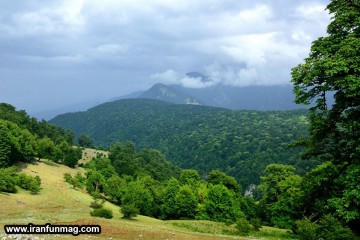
<point x="169" y="94"/>
<point x="240" y="143"/>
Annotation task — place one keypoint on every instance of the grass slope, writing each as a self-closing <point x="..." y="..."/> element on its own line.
<point x="58" y="203"/>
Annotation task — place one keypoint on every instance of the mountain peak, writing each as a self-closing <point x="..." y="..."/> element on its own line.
<point x="166" y="93"/>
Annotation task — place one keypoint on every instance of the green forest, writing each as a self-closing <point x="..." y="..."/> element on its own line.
<point x="24" y="140"/>
<point x="240" y="143"/>
<point x="179" y="162"/>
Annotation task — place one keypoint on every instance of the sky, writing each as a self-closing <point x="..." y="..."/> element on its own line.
<point x="62" y="52"/>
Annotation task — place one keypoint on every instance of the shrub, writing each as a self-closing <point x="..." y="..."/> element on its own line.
<point x="306" y="229"/>
<point x="68" y="178"/>
<point x="129" y="211"/>
<point x="29" y="183"/>
<point x="243" y="226"/>
<point x="96" y="204"/>
<point x="328" y="228"/>
<point x="102" y="212"/>
<point x="256" y="223"/>
<point x="331" y="229"/>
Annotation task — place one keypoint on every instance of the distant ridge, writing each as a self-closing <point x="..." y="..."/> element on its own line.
<point x="167" y="93"/>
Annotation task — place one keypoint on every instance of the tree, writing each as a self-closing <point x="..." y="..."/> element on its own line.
<point x="218" y="177"/>
<point x="190" y="177"/>
<point x="85" y="141"/>
<point x="7" y="180"/>
<point x="281" y="194"/>
<point x="137" y="194"/>
<point x="333" y="66"/>
<point x="114" y="188"/>
<point x="21" y="143"/>
<point x="169" y="208"/>
<point x="46" y="148"/>
<point x="221" y="205"/>
<point x="72" y="157"/>
<point x="129" y="211"/>
<point x="5" y="147"/>
<point x="95" y="182"/>
<point x="186" y="202"/>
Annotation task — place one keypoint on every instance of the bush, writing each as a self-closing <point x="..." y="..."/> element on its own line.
<point x="68" y="178"/>
<point x="96" y="204"/>
<point x="29" y="183"/>
<point x="328" y="228"/>
<point x="129" y="211"/>
<point x="306" y="229"/>
<point x="243" y="226"/>
<point x="256" y="223"/>
<point x="331" y="229"/>
<point x="102" y="212"/>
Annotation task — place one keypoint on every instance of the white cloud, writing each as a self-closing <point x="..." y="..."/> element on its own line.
<point x="311" y="11"/>
<point x="169" y="77"/>
<point x="135" y="42"/>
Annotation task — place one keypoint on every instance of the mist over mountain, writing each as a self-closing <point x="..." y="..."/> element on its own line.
<point x="169" y="94"/>
<point x="274" y="97"/>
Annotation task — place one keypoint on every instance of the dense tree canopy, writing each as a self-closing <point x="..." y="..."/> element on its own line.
<point x="333" y="66"/>
<point x="239" y="143"/>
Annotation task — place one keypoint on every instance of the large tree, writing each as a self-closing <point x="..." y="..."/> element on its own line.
<point x="333" y="69"/>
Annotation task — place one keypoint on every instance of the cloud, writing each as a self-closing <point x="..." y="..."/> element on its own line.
<point x="130" y="44"/>
<point x="172" y="77"/>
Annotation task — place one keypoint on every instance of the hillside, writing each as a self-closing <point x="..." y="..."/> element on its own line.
<point x="240" y="143"/>
<point x="73" y="208"/>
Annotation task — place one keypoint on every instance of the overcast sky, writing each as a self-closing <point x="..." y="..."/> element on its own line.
<point x="59" y="52"/>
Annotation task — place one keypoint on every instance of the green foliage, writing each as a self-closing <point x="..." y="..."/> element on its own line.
<point x="281" y="195"/>
<point x="77" y="182"/>
<point x="102" y="165"/>
<point x="186" y="203"/>
<point x="218" y="177"/>
<point x="46" y="148"/>
<point x="28" y="183"/>
<point x="95" y="182"/>
<point x="102" y="212"/>
<point x="306" y="229"/>
<point x="19" y="145"/>
<point x="197" y="137"/>
<point x="114" y="188"/>
<point x="41" y="129"/>
<point x="332" y="229"/>
<point x="7" y="180"/>
<point x="72" y="156"/>
<point x="243" y="226"/>
<point x="141" y="197"/>
<point x="85" y="141"/>
<point x="221" y="205"/>
<point x="327" y="228"/>
<point x="190" y="177"/>
<point x="127" y="161"/>
<point x="5" y="147"/>
<point x="256" y="223"/>
<point x="129" y="211"/>
<point x="169" y="207"/>
<point x="333" y="67"/>
<point x="98" y="202"/>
